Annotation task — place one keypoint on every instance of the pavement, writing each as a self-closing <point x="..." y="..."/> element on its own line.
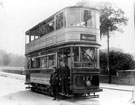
<point x="11" y="75"/>
<point x="117" y="87"/>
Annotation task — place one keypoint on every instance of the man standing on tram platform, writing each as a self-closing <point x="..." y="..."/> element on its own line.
<point x="64" y="72"/>
<point x="54" y="83"/>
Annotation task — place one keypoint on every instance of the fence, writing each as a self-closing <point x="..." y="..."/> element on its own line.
<point x="124" y="77"/>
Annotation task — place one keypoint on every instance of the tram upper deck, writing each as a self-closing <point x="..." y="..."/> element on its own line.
<point x="70" y="25"/>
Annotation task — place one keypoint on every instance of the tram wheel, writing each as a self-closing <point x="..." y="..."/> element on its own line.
<point x="32" y="89"/>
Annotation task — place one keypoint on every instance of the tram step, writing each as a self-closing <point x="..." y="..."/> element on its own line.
<point x="28" y="87"/>
<point x="67" y="95"/>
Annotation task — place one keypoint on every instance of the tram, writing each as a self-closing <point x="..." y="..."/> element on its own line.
<point x="71" y="34"/>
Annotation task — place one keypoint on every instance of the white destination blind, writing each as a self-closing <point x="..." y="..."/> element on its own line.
<point x="88" y="37"/>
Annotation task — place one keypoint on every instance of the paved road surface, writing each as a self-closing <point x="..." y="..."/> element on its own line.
<point x="13" y="92"/>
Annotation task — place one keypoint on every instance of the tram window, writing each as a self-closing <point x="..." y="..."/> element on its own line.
<point x="37" y="62"/>
<point x="50" y="27"/>
<point x="32" y="38"/>
<point x="51" y="60"/>
<point x="73" y="17"/>
<point x="88" y="18"/>
<point x="27" y="39"/>
<point x="59" y="21"/>
<point x="32" y="32"/>
<point x="65" y="55"/>
<point x="76" y="54"/>
<point x="87" y="55"/>
<point x="36" y="32"/>
<point x="32" y="63"/>
<point x="43" y="30"/>
<point x="44" y="62"/>
<point x="36" y="37"/>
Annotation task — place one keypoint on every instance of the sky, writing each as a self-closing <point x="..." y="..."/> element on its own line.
<point x="17" y="16"/>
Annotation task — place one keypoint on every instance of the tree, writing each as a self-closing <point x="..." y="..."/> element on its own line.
<point x="118" y="61"/>
<point x="111" y="19"/>
<point x="6" y="59"/>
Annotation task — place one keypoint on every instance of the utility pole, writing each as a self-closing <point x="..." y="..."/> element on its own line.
<point x="108" y="63"/>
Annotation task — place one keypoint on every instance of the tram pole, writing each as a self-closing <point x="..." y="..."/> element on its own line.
<point x="108" y="63"/>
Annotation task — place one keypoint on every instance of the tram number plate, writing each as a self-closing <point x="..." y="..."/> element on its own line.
<point x="88" y="37"/>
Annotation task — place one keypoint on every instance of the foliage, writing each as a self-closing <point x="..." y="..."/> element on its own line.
<point x="111" y="18"/>
<point x="8" y="59"/>
<point x="118" y="61"/>
<point x="17" y="60"/>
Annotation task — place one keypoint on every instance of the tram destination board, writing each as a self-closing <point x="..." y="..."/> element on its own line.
<point x="88" y="37"/>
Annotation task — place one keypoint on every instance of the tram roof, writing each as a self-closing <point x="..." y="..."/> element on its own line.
<point x="47" y="19"/>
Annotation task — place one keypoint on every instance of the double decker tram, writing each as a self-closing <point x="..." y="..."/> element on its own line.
<point x="73" y="35"/>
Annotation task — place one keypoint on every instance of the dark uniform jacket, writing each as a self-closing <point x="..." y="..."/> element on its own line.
<point x="64" y="72"/>
<point x="54" y="79"/>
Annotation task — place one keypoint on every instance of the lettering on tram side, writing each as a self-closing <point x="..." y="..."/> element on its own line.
<point x="88" y="37"/>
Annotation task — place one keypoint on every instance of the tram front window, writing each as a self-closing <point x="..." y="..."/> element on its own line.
<point x="73" y="17"/>
<point x="88" y="18"/>
<point x="85" y="57"/>
<point x="76" y="17"/>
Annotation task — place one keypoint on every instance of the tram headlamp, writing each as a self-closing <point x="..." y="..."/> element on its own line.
<point x="88" y="83"/>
